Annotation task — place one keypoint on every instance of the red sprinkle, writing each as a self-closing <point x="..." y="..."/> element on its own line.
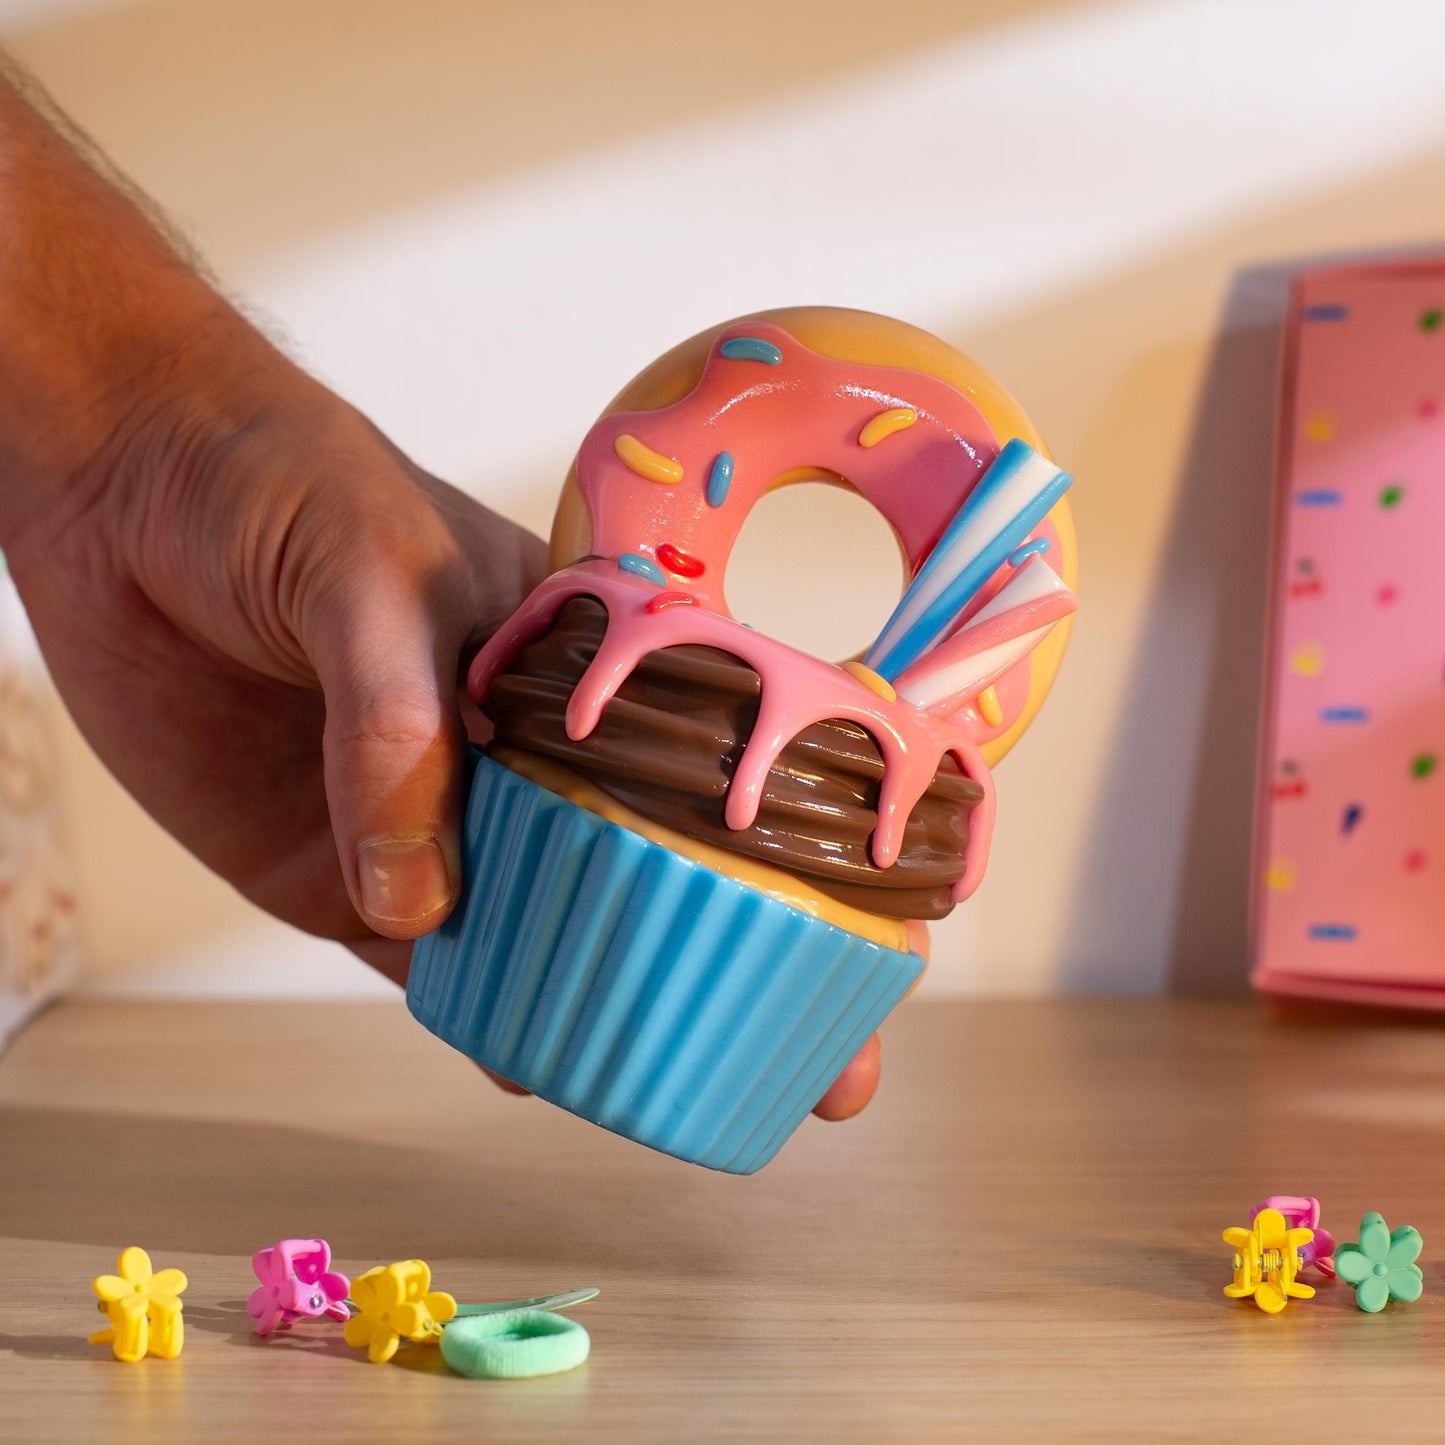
<point x="1306" y="588"/>
<point x="1295" y="789"/>
<point x="676" y="560"/>
<point x="670" y="599"/>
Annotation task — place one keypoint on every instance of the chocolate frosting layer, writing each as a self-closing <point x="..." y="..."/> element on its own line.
<point x="668" y="742"/>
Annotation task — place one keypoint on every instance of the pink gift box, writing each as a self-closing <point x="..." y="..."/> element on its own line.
<point x="1349" y="875"/>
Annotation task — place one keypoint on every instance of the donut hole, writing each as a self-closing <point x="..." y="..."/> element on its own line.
<point x="817" y="567"/>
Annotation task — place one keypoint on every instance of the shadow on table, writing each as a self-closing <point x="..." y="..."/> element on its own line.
<point x="210" y="1187"/>
<point x="50" y="1347"/>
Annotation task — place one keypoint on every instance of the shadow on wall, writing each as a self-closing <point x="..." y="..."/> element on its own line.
<point x="1186" y="727"/>
<point x="275" y="122"/>
<point x="1216" y="557"/>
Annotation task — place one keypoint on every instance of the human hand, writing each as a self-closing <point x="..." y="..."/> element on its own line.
<point x="257" y="620"/>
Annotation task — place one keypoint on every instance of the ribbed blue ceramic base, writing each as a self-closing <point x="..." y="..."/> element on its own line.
<point x="639" y="989"/>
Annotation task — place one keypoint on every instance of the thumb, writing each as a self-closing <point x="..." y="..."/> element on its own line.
<point x="393" y="750"/>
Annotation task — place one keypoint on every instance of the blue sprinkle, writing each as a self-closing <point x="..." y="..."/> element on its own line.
<point x="751" y="348"/>
<point x="642" y="567"/>
<point x="720" y="479"/>
<point x="1344" y="714"/>
<point x="1036" y="548"/>
<point x="1343" y="932"/>
<point x="1353" y="814"/>
<point x="1330" y="312"/>
<point x="1319" y="499"/>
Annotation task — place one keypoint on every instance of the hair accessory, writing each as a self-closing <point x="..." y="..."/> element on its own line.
<point x="563" y="1301"/>
<point x="1382" y="1265"/>
<point x="297" y="1282"/>
<point x="396" y="1302"/>
<point x="142" y="1307"/>
<point x="1266" y="1261"/>
<point x="1303" y="1211"/>
<point x="514" y="1344"/>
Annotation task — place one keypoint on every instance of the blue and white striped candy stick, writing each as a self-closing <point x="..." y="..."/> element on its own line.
<point x="1009" y="501"/>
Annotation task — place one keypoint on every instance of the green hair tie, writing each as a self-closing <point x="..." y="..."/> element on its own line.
<point x="513" y="1345"/>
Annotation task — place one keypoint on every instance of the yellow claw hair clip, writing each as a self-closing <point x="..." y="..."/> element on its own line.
<point x="142" y="1308"/>
<point x="394" y="1302"/>
<point x="1266" y="1261"/>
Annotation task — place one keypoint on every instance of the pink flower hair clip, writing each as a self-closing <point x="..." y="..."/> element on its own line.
<point x="297" y="1282"/>
<point x="1303" y="1210"/>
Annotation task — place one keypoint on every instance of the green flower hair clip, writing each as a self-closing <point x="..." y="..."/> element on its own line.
<point x="1382" y="1265"/>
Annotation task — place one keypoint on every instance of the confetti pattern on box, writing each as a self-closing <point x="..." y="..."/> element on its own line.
<point x="1350" y="860"/>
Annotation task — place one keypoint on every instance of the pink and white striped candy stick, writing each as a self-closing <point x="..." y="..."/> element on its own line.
<point x="1013" y="622"/>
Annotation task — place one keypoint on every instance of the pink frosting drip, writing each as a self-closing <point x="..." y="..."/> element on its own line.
<point x="798" y="690"/>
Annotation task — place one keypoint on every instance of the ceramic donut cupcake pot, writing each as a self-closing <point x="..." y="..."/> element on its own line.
<point x="696" y="856"/>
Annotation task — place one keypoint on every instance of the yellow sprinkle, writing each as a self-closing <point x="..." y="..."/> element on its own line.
<point x="645" y="462"/>
<point x="989" y="706"/>
<point x="870" y="679"/>
<point x="885" y="424"/>
<point x="1320" y="427"/>
<point x="1308" y="659"/>
<point x="1279" y="875"/>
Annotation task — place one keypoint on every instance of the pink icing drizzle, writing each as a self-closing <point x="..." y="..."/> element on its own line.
<point x="797" y="691"/>
<point x="805" y="412"/>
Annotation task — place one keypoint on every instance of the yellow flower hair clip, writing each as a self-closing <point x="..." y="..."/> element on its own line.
<point x="1266" y="1261"/>
<point x="395" y="1302"/>
<point x="142" y="1308"/>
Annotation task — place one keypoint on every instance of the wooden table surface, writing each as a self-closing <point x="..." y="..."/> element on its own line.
<point x="1020" y="1240"/>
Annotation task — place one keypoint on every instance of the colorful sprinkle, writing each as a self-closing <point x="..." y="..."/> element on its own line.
<point x="1422" y="765"/>
<point x="1353" y="813"/>
<point x="670" y="599"/>
<point x="1310" y="587"/>
<point x="1295" y="788"/>
<point x="1320" y="427"/>
<point x="1414" y="860"/>
<point x="871" y="680"/>
<point x="1344" y="714"/>
<point x="1340" y="932"/>
<point x="1279" y="876"/>
<point x="1391" y="494"/>
<point x="751" y="348"/>
<point x="641" y="566"/>
<point x="1430" y="320"/>
<point x="1308" y="659"/>
<point x="989" y="707"/>
<point x="1321" y="497"/>
<point x="719" y="479"/>
<point x="683" y="563"/>
<point x="1387" y="595"/>
<point x="650" y="465"/>
<point x="1325" y="312"/>
<point x="1036" y="548"/>
<point x="896" y="418"/>
<point x="1428" y="409"/>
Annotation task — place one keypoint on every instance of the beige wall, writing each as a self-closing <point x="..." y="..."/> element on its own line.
<point x="478" y="219"/>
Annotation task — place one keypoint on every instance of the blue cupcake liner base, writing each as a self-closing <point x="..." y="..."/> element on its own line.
<point x="639" y="989"/>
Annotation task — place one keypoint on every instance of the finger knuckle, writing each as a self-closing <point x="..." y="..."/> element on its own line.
<point x="396" y="724"/>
